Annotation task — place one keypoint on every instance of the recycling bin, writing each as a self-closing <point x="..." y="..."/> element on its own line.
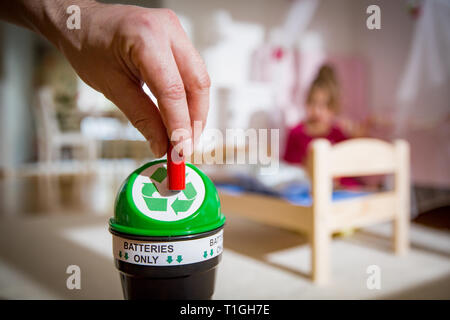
<point x="167" y="244"/>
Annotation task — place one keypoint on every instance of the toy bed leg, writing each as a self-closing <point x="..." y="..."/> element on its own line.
<point x="402" y="213"/>
<point x="321" y="195"/>
<point x="320" y="253"/>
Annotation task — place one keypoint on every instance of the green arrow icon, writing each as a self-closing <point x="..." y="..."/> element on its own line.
<point x="149" y="189"/>
<point x="189" y="191"/>
<point x="169" y="259"/>
<point x="120" y="254"/>
<point x="156" y="204"/>
<point x="179" y="259"/>
<point x="181" y="205"/>
<point x="159" y="175"/>
<point x="153" y="204"/>
<point x="212" y="252"/>
<point x="205" y="254"/>
<point x="126" y="255"/>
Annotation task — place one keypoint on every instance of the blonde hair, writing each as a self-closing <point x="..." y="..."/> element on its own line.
<point x="326" y="80"/>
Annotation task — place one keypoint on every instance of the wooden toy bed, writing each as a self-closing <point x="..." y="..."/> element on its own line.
<point x="355" y="157"/>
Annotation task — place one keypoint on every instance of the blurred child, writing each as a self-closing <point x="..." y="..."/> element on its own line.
<point x="322" y="107"/>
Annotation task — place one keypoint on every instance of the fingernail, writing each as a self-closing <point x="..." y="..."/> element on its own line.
<point x="187" y="147"/>
<point x="184" y="148"/>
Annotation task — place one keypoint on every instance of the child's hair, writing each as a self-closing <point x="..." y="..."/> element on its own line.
<point x="326" y="79"/>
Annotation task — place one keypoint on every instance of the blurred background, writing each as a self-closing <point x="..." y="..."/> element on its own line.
<point x="65" y="149"/>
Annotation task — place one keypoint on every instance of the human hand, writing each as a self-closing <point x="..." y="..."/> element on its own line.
<point x="353" y="129"/>
<point x="119" y="47"/>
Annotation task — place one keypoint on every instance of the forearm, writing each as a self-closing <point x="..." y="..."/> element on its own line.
<point x="45" y="17"/>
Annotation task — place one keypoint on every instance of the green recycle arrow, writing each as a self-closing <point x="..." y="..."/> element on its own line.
<point x="169" y="259"/>
<point x="120" y="254"/>
<point x="179" y="259"/>
<point x="153" y="204"/>
<point x="183" y="205"/>
<point x="212" y="252"/>
<point x="189" y="191"/>
<point x="159" y="175"/>
<point x="160" y="204"/>
<point x="126" y="255"/>
<point x="205" y="254"/>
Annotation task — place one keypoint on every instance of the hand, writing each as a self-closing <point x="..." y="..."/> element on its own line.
<point x="119" y="47"/>
<point x="353" y="129"/>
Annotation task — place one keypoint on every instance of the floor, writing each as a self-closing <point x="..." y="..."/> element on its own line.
<point x="48" y="224"/>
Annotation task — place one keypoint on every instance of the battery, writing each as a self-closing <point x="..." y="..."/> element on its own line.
<point x="176" y="170"/>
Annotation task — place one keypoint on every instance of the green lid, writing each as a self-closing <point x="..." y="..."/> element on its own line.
<point x="144" y="206"/>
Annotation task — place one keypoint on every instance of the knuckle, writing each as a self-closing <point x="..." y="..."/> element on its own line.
<point x="201" y="82"/>
<point x="145" y="20"/>
<point x="138" y="50"/>
<point x="170" y="18"/>
<point x="141" y="24"/>
<point x="133" y="38"/>
<point x="174" y="91"/>
<point x="171" y="15"/>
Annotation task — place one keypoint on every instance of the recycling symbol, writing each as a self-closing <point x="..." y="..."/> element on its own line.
<point x="153" y="198"/>
<point x="160" y="204"/>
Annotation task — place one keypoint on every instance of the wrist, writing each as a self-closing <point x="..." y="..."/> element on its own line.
<point x="53" y="22"/>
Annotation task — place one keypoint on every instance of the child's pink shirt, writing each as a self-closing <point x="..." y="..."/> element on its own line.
<point x="297" y="148"/>
<point x="298" y="142"/>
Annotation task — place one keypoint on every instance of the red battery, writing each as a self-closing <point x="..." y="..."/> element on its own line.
<point x="176" y="170"/>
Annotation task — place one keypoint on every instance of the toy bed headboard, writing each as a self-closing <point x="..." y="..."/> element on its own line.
<point x="360" y="157"/>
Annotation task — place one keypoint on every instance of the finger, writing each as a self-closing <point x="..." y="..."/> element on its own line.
<point x="143" y="115"/>
<point x="159" y="71"/>
<point x="195" y="79"/>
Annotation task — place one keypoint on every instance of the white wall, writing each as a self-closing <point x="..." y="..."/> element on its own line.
<point x="340" y="24"/>
<point x="386" y="50"/>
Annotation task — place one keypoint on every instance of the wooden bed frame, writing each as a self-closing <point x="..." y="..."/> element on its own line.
<point x="355" y="157"/>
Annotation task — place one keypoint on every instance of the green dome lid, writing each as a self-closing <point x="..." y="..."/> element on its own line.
<point x="144" y="206"/>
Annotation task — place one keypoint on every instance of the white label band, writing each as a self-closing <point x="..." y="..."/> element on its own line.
<point x="173" y="253"/>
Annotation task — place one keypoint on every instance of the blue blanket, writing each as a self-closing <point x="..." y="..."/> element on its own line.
<point x="296" y="193"/>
